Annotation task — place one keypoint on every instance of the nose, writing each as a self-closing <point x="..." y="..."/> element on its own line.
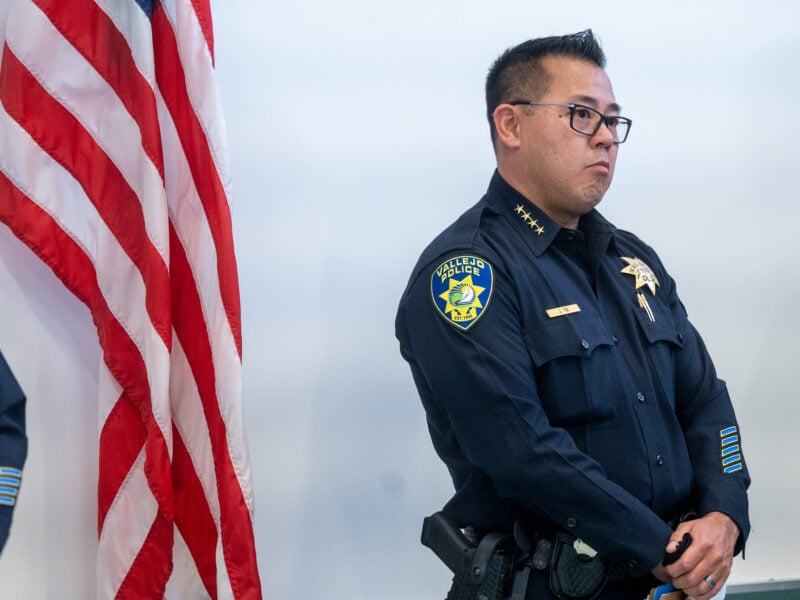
<point x="603" y="136"/>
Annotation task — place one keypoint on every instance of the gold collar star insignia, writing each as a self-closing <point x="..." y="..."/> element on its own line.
<point x="526" y="216"/>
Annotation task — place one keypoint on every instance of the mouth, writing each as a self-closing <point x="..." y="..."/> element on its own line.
<point x="600" y="165"/>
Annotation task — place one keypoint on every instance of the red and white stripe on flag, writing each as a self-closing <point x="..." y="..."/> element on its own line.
<point x="113" y="171"/>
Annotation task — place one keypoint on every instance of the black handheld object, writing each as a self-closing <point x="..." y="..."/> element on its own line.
<point x="446" y="540"/>
<point x="672" y="557"/>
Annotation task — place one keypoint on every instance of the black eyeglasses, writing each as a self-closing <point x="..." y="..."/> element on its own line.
<point x="586" y="120"/>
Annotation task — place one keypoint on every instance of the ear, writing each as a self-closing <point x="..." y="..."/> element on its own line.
<point x="507" y="123"/>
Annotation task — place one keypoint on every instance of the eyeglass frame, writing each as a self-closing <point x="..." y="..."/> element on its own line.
<point x="573" y="106"/>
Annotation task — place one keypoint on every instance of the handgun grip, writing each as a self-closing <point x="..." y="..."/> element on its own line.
<point x="673" y="557"/>
<point x="447" y="541"/>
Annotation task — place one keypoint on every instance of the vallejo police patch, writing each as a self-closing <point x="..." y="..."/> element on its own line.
<point x="461" y="288"/>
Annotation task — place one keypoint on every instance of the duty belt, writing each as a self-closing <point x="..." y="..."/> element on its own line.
<point x="498" y="567"/>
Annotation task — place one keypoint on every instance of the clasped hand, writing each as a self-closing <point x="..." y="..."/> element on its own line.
<point x="707" y="560"/>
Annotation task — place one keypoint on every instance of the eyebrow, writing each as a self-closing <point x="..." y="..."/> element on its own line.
<point x="590" y="100"/>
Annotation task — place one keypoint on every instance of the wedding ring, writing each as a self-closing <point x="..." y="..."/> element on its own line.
<point x="711" y="583"/>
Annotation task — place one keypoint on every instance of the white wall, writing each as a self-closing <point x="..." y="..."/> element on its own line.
<point x="356" y="134"/>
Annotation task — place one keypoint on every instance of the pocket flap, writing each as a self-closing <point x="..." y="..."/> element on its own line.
<point x="571" y="335"/>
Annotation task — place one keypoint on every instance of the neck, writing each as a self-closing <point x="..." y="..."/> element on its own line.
<point x="566" y="221"/>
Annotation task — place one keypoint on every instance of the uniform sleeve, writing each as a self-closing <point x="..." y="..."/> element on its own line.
<point x="13" y="446"/>
<point x="483" y="380"/>
<point x="712" y="432"/>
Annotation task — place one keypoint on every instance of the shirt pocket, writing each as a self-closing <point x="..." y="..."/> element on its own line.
<point x="574" y="370"/>
<point x="663" y="341"/>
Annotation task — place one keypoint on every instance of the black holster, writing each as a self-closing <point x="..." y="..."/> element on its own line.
<point x="493" y="569"/>
<point x="489" y="574"/>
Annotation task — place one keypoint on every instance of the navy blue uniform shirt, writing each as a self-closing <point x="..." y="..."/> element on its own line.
<point x="13" y="445"/>
<point x="563" y="383"/>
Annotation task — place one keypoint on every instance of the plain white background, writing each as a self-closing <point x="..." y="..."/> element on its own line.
<point x="356" y="133"/>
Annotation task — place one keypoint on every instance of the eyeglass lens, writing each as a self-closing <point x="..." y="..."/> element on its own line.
<point x="586" y="120"/>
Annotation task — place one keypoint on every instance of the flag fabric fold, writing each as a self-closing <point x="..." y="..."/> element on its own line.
<point x="113" y="170"/>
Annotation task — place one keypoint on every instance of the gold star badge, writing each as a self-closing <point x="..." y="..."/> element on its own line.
<point x="644" y="277"/>
<point x="644" y="274"/>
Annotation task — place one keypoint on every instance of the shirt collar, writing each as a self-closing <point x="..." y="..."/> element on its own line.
<point x="594" y="222"/>
<point x="533" y="225"/>
<point x="530" y="222"/>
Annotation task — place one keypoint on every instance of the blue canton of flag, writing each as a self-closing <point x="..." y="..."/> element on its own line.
<point x="146" y="6"/>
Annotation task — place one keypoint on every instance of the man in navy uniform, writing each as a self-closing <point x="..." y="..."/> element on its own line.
<point x="13" y="445"/>
<point x="564" y="387"/>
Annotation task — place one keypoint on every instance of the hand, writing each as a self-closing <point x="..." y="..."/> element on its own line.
<point x="660" y="573"/>
<point x="710" y="555"/>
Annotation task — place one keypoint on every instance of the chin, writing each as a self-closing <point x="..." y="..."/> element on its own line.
<point x="593" y="195"/>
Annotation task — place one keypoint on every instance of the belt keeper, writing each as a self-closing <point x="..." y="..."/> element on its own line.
<point x="483" y="554"/>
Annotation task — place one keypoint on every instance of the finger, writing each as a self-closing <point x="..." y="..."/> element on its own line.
<point x="676" y="546"/>
<point x="687" y="566"/>
<point x="711" y="565"/>
<point x="698" y="580"/>
<point x="697" y="562"/>
<point x="704" y="590"/>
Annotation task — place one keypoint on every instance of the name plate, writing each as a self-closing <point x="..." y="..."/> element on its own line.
<point x="563" y="310"/>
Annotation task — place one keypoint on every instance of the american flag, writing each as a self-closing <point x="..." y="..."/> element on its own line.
<point x="113" y="170"/>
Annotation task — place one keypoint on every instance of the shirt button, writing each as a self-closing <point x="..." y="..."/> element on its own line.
<point x="659" y="460"/>
<point x="615" y="339"/>
<point x="640" y="397"/>
<point x="585" y="344"/>
<point x="632" y="563"/>
<point x="571" y="522"/>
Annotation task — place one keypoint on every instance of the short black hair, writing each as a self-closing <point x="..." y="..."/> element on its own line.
<point x="518" y="73"/>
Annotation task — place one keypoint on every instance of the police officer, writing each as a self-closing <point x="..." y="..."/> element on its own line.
<point x="13" y="446"/>
<point x="563" y="385"/>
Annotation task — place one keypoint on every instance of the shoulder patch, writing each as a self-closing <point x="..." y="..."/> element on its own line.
<point x="461" y="288"/>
